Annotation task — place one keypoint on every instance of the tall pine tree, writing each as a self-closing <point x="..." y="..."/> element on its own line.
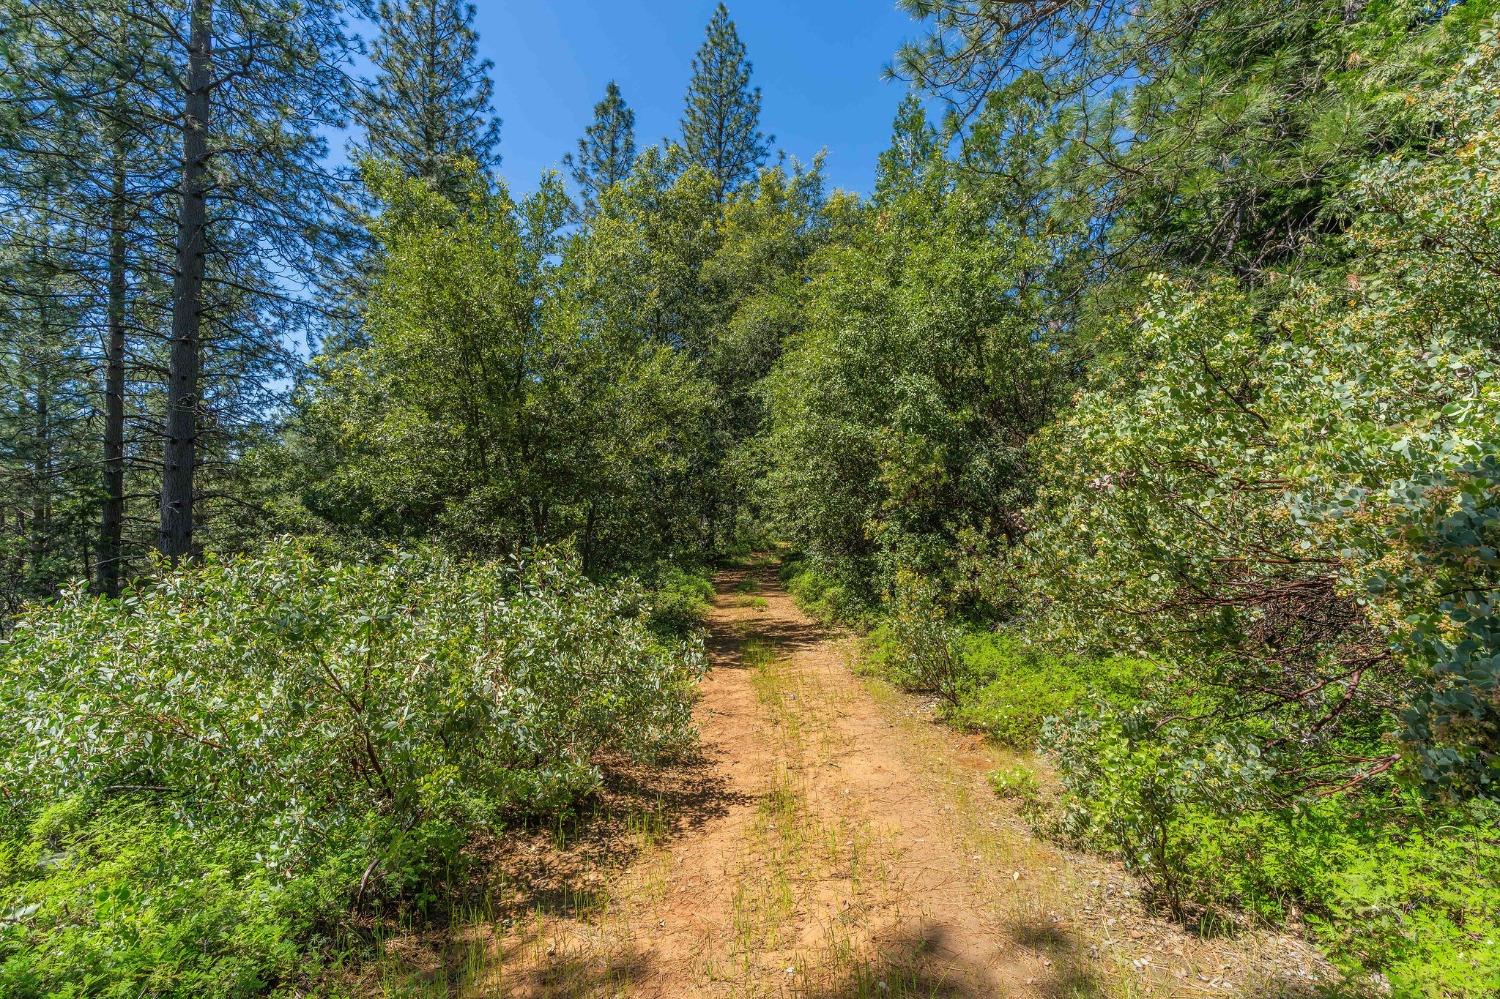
<point x="721" y="123"/>
<point x="428" y="109"/>
<point x="606" y="152"/>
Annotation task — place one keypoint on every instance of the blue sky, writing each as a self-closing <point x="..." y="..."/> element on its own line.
<point x="817" y="62"/>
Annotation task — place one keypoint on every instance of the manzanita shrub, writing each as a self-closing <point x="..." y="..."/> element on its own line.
<point x="359" y="719"/>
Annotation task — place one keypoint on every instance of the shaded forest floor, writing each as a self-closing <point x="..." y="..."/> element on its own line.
<point x="829" y="840"/>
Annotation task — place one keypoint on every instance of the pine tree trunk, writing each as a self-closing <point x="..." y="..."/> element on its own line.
<point x="41" y="497"/>
<point x="41" y="458"/>
<point x="112" y="526"/>
<point x="180" y="455"/>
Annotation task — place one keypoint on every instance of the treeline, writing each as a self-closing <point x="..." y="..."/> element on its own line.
<point x="493" y="372"/>
<point x="166" y="205"/>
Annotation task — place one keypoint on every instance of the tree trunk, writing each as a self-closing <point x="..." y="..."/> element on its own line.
<point x="112" y="526"/>
<point x="180" y="455"/>
<point x="41" y="470"/>
<point x="41" y="458"/>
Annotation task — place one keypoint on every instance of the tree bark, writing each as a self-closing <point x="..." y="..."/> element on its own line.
<point x="112" y="526"/>
<point x="41" y="497"/>
<point x="176" y="540"/>
<point x="41" y="459"/>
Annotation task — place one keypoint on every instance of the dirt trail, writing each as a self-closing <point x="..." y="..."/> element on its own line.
<point x="830" y="841"/>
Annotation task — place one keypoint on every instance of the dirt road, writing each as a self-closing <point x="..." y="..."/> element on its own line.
<point x="830" y="841"/>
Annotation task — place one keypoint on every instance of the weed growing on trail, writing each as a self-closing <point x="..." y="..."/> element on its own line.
<point x="1016" y="783"/>
<point x="758" y="655"/>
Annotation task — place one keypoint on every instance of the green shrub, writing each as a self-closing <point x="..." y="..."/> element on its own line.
<point x="820" y="595"/>
<point x="127" y="902"/>
<point x="1388" y="880"/>
<point x="681" y="600"/>
<point x="995" y="682"/>
<point x="290" y="724"/>
<point x="1016" y="783"/>
<point x="1408" y="890"/>
<point x="924" y="646"/>
<point x="1131" y="784"/>
<point x="1015" y="686"/>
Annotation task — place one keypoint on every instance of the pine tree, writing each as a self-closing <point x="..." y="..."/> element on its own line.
<point x="720" y="126"/>
<point x="429" y="107"/>
<point x="913" y="143"/>
<point x="606" y="152"/>
<point x="87" y="161"/>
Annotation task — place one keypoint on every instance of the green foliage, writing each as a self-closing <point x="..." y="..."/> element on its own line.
<point x="993" y="682"/>
<point x="1014" y="782"/>
<point x="1385" y="882"/>
<point x="1289" y="495"/>
<point x="900" y="414"/>
<point x="1016" y="687"/>
<point x="919" y="647"/>
<point x="1214" y="134"/>
<point x="122" y="902"/>
<point x="1433" y="222"/>
<point x="1131" y="784"/>
<point x="681" y="599"/>
<point x="1295" y="508"/>
<point x="291" y="723"/>
<point x="1410" y="893"/>
<point x="496" y="404"/>
<point x="821" y="596"/>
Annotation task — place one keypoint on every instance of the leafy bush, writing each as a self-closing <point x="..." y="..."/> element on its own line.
<point x="289" y="724"/>
<point x="918" y="646"/>
<point x="1017" y="686"/>
<point x="1131" y="784"/>
<point x="1388" y="881"/>
<point x="992" y="682"/>
<point x="822" y="596"/>
<point x="1296" y="501"/>
<point x="681" y="600"/>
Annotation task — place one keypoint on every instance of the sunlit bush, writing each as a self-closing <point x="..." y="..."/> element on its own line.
<point x="307" y="711"/>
